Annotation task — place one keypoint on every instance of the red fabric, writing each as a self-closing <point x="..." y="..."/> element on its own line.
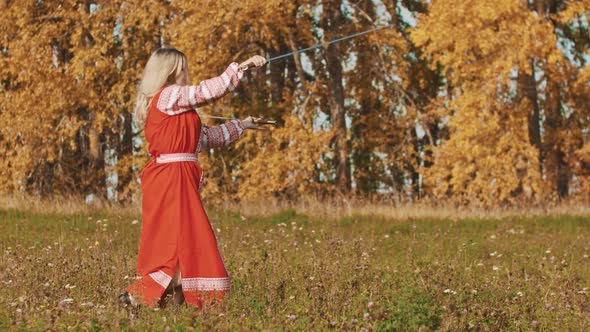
<point x="175" y="228"/>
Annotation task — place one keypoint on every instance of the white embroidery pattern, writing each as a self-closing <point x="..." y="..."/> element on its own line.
<point x="176" y="99"/>
<point x="225" y="132"/>
<point x="238" y="125"/>
<point x="176" y="157"/>
<point x="205" y="284"/>
<point x="161" y="278"/>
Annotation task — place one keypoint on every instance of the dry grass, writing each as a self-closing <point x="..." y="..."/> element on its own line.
<point x="61" y="268"/>
<point x="332" y="209"/>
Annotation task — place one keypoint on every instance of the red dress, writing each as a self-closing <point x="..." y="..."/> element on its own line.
<point x="175" y="228"/>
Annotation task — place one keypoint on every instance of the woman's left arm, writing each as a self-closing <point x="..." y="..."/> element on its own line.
<point x="220" y="136"/>
<point x="225" y="134"/>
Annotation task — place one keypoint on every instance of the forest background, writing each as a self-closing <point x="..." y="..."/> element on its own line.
<point x="471" y="102"/>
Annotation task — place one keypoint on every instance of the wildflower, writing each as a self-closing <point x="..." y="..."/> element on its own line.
<point x="370" y="305"/>
<point x="66" y="301"/>
<point x="291" y="317"/>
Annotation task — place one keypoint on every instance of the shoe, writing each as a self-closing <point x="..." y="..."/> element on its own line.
<point x="126" y="300"/>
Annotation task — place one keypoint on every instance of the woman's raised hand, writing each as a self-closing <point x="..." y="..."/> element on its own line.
<point x="255" y="61"/>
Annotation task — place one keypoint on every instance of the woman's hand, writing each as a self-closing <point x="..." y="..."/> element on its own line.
<point x="255" y="61"/>
<point x="253" y="123"/>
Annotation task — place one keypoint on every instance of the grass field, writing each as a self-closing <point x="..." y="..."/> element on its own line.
<point x="294" y="272"/>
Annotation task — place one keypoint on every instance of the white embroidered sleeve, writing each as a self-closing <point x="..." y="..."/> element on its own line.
<point x="220" y="136"/>
<point x="176" y="99"/>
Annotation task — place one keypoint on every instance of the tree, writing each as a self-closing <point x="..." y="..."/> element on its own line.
<point x="493" y="97"/>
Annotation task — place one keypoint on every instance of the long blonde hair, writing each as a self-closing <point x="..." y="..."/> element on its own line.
<point x="165" y="66"/>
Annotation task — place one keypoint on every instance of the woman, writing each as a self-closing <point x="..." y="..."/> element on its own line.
<point x="176" y="236"/>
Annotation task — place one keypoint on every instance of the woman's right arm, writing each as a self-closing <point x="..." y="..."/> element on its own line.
<point x="176" y="99"/>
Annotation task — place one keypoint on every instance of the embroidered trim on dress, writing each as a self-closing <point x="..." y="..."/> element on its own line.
<point x="161" y="278"/>
<point x="206" y="284"/>
<point x="176" y="157"/>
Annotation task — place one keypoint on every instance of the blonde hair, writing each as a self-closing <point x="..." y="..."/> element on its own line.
<point x="165" y="66"/>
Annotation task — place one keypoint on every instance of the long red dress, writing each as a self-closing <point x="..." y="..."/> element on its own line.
<point x="175" y="229"/>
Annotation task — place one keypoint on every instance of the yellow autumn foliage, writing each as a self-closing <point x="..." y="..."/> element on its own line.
<point x="475" y="102"/>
